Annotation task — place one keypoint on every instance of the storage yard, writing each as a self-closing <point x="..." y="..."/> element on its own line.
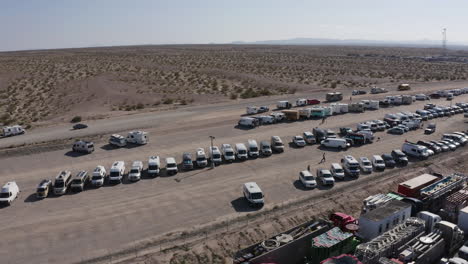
<point x="107" y="220"/>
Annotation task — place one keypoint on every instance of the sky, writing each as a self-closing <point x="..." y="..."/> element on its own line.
<point x="49" y="24"/>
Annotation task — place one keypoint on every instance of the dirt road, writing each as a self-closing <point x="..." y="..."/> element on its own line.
<point x="80" y="226"/>
<point x="172" y="120"/>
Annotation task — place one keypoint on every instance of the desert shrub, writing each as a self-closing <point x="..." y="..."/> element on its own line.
<point x="233" y="96"/>
<point x="264" y="92"/>
<point x="168" y="100"/>
<point x="140" y="106"/>
<point x="249" y="93"/>
<point x="76" y="119"/>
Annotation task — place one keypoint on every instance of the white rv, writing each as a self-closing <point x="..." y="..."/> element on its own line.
<point x="9" y="193"/>
<point x="15" y="130"/>
<point x="83" y="146"/>
<point x="154" y="166"/>
<point x="251" y="110"/>
<point x="301" y="102"/>
<point x="248" y="122"/>
<point x="117" y="140"/>
<point x="350" y="166"/>
<point x="201" y="158"/>
<point x="135" y="172"/>
<point x="62" y="182"/>
<point x="99" y="176"/>
<point x="117" y="171"/>
<point x="138" y="137"/>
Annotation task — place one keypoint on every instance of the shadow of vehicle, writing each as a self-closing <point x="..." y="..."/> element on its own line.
<point x="74" y="154"/>
<point x="32" y="198"/>
<point x="298" y="185"/>
<point x="243" y="127"/>
<point x="242" y="205"/>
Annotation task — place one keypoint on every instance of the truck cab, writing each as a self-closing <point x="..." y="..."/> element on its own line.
<point x="201" y="158"/>
<point x="43" y="188"/>
<point x="350" y="166"/>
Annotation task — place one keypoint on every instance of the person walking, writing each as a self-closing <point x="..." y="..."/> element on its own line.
<point x="351" y="98"/>
<point x="308" y="167"/>
<point x="323" y="158"/>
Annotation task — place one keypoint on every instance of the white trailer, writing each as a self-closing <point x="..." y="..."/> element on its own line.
<point x="305" y="113"/>
<point x="15" y="130"/>
<point x="252" y="110"/>
<point x="344" y="108"/>
<point x="373" y="105"/>
<point x="301" y="102"/>
<point x="138" y="137"/>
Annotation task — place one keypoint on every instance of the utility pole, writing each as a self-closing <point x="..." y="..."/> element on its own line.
<point x="211" y="152"/>
<point x="444" y="41"/>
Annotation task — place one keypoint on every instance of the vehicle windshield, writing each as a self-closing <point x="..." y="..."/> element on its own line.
<point x="366" y="163"/>
<point x="96" y="178"/>
<point x="254" y="149"/>
<point x="201" y="158"/>
<point x="242" y="151"/>
<point x="134" y="171"/>
<point x="4" y="195"/>
<point x="216" y="156"/>
<point x="152" y="167"/>
<point x="278" y="144"/>
<point x="59" y="184"/>
<point x="187" y="161"/>
<point x="41" y="189"/>
<point x="256" y="195"/>
<point x="353" y="167"/>
<point x="229" y="153"/>
<point x="309" y="178"/>
<point x="309" y="136"/>
<point x="114" y="174"/>
<point x="171" y="165"/>
<point x="76" y="181"/>
<point x="266" y="147"/>
<point x="338" y="170"/>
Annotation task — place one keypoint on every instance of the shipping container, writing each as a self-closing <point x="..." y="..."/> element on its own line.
<point x="412" y="187"/>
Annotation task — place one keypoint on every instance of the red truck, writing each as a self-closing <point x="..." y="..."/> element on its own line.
<point x="346" y="222"/>
<point x="313" y="101"/>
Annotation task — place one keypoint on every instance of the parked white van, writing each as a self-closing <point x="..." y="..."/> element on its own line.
<point x="415" y="150"/>
<point x="171" y="166"/>
<point x="117" y="171"/>
<point x="339" y="143"/>
<point x="138" y="137"/>
<point x="154" y="166"/>
<point x="9" y="193"/>
<point x="241" y="151"/>
<point x="253" y="194"/>
<point x="248" y="122"/>
<point x="378" y="163"/>
<point x="253" y="148"/>
<point x="83" y="146"/>
<point x="201" y="158"/>
<point x="135" y="172"/>
<point x="62" y="182"/>
<point x="215" y="155"/>
<point x="337" y="171"/>
<point x="350" y="166"/>
<point x="79" y="182"/>
<point x="228" y="153"/>
<point x="9" y="131"/>
<point x="99" y="176"/>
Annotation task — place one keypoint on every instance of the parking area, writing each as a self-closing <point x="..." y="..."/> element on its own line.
<point x="114" y="216"/>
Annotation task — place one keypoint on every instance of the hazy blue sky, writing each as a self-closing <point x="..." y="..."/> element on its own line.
<point x="37" y="24"/>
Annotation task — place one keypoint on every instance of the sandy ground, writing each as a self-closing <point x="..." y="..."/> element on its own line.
<point x="104" y="221"/>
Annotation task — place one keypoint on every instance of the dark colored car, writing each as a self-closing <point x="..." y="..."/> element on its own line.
<point x="434" y="95"/>
<point x="389" y="161"/>
<point x="345" y="131"/>
<point x="80" y="126"/>
<point x="187" y="163"/>
<point x="399" y="157"/>
<point x="430" y="146"/>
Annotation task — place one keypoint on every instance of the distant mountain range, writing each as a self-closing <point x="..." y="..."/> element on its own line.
<point x="355" y="42"/>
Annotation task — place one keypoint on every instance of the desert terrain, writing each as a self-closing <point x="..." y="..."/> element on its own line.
<point x="196" y="216"/>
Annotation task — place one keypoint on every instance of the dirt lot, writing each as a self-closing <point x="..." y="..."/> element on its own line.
<point x="45" y="87"/>
<point x="108" y="220"/>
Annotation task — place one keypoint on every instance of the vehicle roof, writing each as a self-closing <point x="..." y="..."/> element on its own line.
<point x="364" y="159"/>
<point x="226" y="146"/>
<point x="306" y="173"/>
<point x="119" y="163"/>
<point x="240" y="146"/>
<point x="170" y="160"/>
<point x="7" y="186"/>
<point x="44" y="182"/>
<point x="186" y="155"/>
<point x="336" y="165"/>
<point x="265" y="143"/>
<point x="62" y="174"/>
<point x="308" y="133"/>
<point x="377" y="157"/>
<point x="117" y="136"/>
<point x="252" y="187"/>
<point x="137" y="163"/>
<point x="387" y="156"/>
<point x="153" y="158"/>
<point x="276" y="138"/>
<point x="298" y="137"/>
<point x="81" y="174"/>
<point x="98" y="168"/>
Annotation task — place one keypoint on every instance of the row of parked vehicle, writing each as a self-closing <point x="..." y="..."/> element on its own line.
<point x="353" y="167"/>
